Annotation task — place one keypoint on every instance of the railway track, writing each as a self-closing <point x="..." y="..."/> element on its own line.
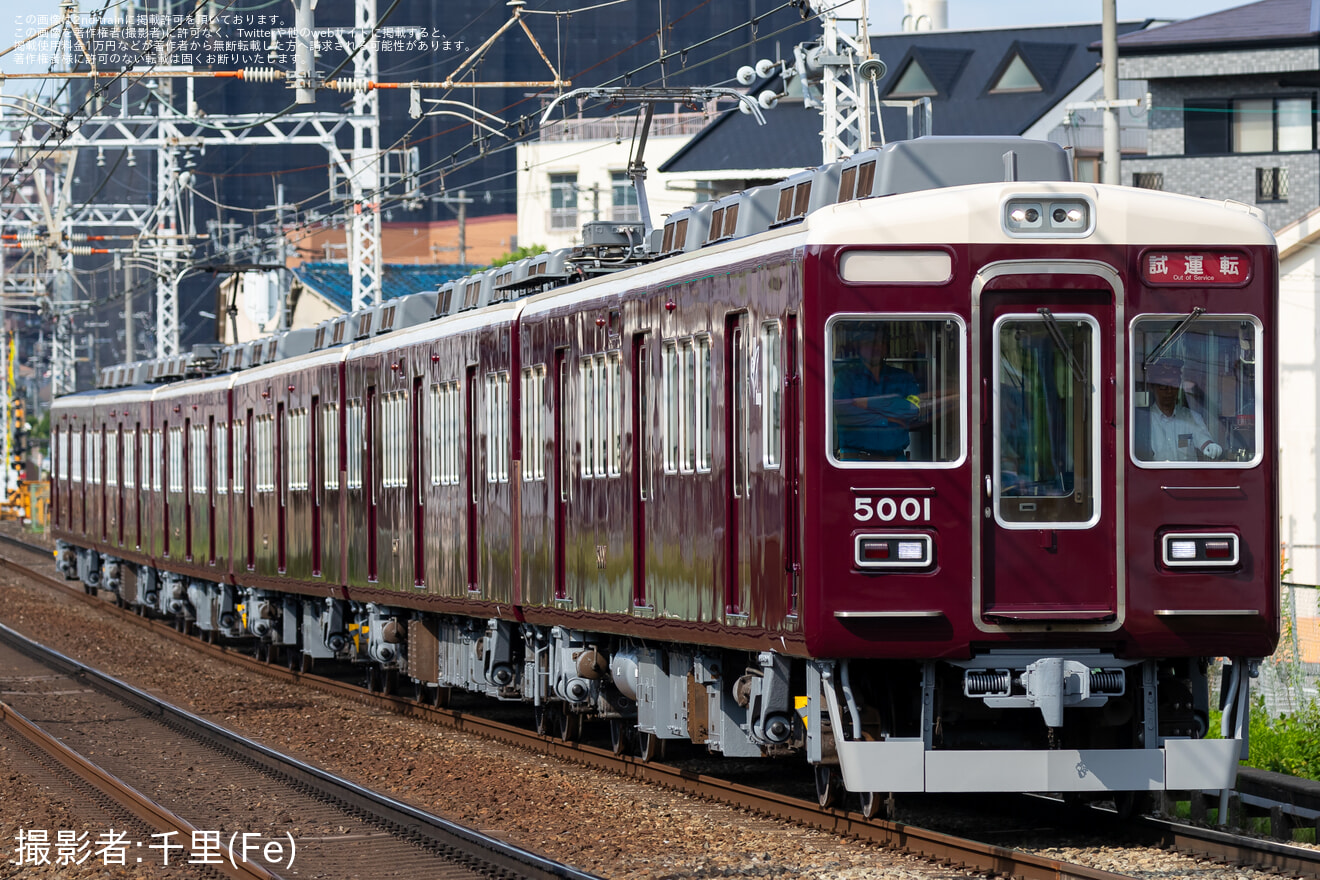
<point x="942" y="848"/>
<point x="224" y="799"/>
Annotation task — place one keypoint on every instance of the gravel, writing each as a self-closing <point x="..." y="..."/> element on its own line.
<point x="615" y="827"/>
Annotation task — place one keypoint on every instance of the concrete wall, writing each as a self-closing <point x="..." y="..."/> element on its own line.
<point x="593" y="161"/>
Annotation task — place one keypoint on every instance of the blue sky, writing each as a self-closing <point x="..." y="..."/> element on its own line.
<point x="885" y="15"/>
<point x="967" y="14"/>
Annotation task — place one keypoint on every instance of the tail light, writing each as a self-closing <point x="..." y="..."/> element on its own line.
<point x="894" y="552"/>
<point x="1200" y="549"/>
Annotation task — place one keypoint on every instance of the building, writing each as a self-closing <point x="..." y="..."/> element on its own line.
<point x="577" y="171"/>
<point x="1233" y="102"/>
<point x="1233" y="116"/>
<point x="264" y="302"/>
<point x="1000" y="81"/>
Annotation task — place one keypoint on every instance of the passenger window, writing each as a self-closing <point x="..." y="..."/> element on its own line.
<point x="1196" y="391"/>
<point x="896" y="393"/>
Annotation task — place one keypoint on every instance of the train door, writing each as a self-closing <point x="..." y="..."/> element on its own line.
<point x="119" y="454"/>
<point x="736" y="477"/>
<point x="370" y="475"/>
<point x="563" y="478"/>
<point x="138" y="480"/>
<point x="415" y="484"/>
<point x="189" y="488"/>
<point x="211" y="488"/>
<point x="470" y="407"/>
<point x="319" y="463"/>
<point x="1045" y="462"/>
<point x="792" y="383"/>
<point x="641" y="459"/>
<point x="103" y="482"/>
<point x="245" y="469"/>
<point x="282" y="485"/>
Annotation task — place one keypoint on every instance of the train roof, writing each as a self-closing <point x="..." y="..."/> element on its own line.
<point x="971" y="214"/>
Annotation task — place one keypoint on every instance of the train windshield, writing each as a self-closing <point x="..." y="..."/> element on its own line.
<point x="1196" y="394"/>
<point x="896" y="390"/>
<point x="1046" y="430"/>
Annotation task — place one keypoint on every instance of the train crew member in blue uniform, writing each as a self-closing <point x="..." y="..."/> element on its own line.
<point x="874" y="402"/>
<point x="1176" y="433"/>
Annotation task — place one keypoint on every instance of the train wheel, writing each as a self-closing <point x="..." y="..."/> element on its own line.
<point x="374" y="685"/>
<point x="621" y="735"/>
<point x="547" y="719"/>
<point x="442" y="694"/>
<point x="306" y="664"/>
<point x="871" y="803"/>
<point x="263" y="652"/>
<point x="421" y="692"/>
<point x="570" y="726"/>
<point x="649" y="746"/>
<point x="389" y="682"/>
<point x="828" y="785"/>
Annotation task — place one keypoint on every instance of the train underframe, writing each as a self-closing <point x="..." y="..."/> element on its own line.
<point x="1005" y="720"/>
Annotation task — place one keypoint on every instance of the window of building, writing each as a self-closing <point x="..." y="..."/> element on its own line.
<point x="1148" y="180"/>
<point x="913" y="83"/>
<point x="1248" y="125"/>
<point x="1017" y="77"/>
<point x="623" y="199"/>
<point x="563" y="201"/>
<point x="1196" y="395"/>
<point x="1271" y="184"/>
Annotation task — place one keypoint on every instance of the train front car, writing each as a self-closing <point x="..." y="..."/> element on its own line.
<point x="1041" y="487"/>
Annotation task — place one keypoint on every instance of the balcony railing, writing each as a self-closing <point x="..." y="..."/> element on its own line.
<point x="621" y="128"/>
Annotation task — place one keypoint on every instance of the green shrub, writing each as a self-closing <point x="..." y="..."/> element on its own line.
<point x="1286" y="744"/>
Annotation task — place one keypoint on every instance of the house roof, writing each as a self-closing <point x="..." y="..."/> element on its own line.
<point x="1268" y="22"/>
<point x="334" y="283"/>
<point x="963" y="66"/>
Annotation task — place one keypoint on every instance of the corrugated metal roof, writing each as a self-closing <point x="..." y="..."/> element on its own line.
<point x="1269" y="21"/>
<point x="962" y="65"/>
<point x="334" y="282"/>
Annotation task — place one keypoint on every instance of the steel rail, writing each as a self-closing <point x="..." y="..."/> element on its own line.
<point x="497" y="855"/>
<point x="137" y="804"/>
<point x="933" y="845"/>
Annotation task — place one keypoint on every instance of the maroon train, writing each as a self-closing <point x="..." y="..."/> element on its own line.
<point x="931" y="466"/>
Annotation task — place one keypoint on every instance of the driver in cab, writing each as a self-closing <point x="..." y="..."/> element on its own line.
<point x="875" y="403"/>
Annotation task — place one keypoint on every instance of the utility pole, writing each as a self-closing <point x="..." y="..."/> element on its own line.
<point x="462" y="227"/>
<point x="130" y="344"/>
<point x="1109" y="60"/>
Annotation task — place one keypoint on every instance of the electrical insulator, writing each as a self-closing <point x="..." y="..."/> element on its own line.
<point x="352" y="85"/>
<point x="262" y="74"/>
